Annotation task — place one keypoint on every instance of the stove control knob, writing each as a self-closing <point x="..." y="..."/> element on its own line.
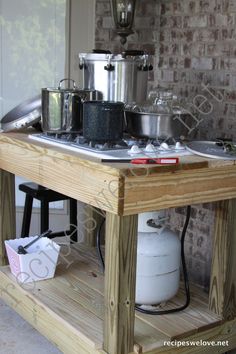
<point x="150" y="148"/>
<point x="179" y="146"/>
<point x="164" y="146"/>
<point x="134" y="150"/>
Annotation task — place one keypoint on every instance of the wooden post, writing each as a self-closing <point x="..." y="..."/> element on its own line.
<point x="222" y="297"/>
<point x="89" y="220"/>
<point x="7" y="211"/>
<point x="120" y="276"/>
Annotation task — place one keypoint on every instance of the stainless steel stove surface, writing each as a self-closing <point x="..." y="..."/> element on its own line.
<point x="128" y="148"/>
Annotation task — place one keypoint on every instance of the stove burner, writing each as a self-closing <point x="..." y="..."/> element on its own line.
<point x="60" y="136"/>
<point x="80" y="142"/>
<point x="123" y="149"/>
<point x="93" y="145"/>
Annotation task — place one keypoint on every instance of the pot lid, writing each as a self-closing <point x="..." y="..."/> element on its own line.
<point x="22" y="116"/>
<point x="128" y="55"/>
<point x="211" y="149"/>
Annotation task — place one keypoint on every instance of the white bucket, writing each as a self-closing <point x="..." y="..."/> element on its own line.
<point x="38" y="264"/>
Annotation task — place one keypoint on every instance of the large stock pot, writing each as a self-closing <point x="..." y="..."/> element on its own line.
<point x="62" y="108"/>
<point x="122" y="77"/>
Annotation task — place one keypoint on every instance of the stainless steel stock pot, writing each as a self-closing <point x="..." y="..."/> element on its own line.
<point x="62" y="108"/>
<point x="122" y="77"/>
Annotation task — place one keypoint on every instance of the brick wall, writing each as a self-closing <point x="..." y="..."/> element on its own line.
<point x="146" y="22"/>
<point x="198" y="49"/>
<point x="197" y="58"/>
<point x="195" y="47"/>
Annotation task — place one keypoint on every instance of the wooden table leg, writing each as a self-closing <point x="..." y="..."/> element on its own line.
<point x="7" y="211"/>
<point x="120" y="276"/>
<point x="222" y="299"/>
<point x="89" y="220"/>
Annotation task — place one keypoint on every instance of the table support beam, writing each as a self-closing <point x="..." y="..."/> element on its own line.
<point x="120" y="276"/>
<point x="7" y="211"/>
<point x="222" y="297"/>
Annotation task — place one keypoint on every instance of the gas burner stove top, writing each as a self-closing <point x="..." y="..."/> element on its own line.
<point x="127" y="148"/>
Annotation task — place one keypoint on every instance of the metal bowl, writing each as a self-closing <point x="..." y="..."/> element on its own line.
<point x="153" y="125"/>
<point x="22" y="116"/>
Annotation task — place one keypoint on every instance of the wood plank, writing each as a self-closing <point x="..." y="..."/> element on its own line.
<point x="75" y="296"/>
<point x="120" y="273"/>
<point x="197" y="312"/>
<point x="60" y="320"/>
<point x="92" y="218"/>
<point x="84" y="180"/>
<point x="90" y="297"/>
<point x="118" y="188"/>
<point x="224" y="332"/>
<point x="223" y="276"/>
<point x="178" y="188"/>
<point x="171" y="326"/>
<point x="195" y="318"/>
<point x="7" y="211"/>
<point x="86" y="272"/>
<point x="84" y="275"/>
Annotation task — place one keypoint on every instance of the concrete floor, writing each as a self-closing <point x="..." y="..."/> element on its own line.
<point x="18" y="337"/>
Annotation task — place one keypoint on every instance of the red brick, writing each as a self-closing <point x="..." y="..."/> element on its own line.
<point x="103" y="8"/>
<point x="178" y="35"/>
<point x="197" y="45"/>
<point x="230" y="96"/>
<point x="228" y="33"/>
<point x="219" y="20"/>
<point x="146" y="8"/>
<point x="171" y="21"/>
<point x="187" y="63"/>
<point x="223" y="5"/>
<point x="165" y="36"/>
<point x="206" y="35"/>
<point x="202" y="63"/>
<point x="207" y="6"/>
<point x="228" y="64"/>
<point x="218" y="49"/>
<point x="190" y="7"/>
<point x="199" y="21"/>
<point x="193" y="49"/>
<point x="232" y="6"/>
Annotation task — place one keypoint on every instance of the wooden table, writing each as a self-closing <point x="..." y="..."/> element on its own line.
<point x="75" y="310"/>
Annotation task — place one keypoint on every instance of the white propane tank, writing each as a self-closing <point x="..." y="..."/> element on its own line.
<point x="158" y="260"/>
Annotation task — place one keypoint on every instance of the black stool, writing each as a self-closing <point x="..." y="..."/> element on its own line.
<point x="46" y="196"/>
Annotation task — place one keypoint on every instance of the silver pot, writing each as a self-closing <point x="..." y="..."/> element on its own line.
<point x="154" y="125"/>
<point x="62" y="108"/>
<point x="121" y="77"/>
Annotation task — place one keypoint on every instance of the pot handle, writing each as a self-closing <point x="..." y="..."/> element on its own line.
<point x="61" y="81"/>
<point x="132" y="53"/>
<point x="101" y="51"/>
<point x="145" y="66"/>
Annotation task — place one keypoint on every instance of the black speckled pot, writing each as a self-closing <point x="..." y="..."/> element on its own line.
<point x="103" y="121"/>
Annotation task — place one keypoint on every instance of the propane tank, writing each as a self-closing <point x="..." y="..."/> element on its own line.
<point x="158" y="260"/>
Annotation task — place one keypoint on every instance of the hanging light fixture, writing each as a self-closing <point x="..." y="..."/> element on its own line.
<point x="123" y="15"/>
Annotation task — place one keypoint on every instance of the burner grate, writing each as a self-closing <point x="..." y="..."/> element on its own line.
<point x="119" y="150"/>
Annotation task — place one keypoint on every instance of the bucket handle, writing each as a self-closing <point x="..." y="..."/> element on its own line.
<point x="61" y="81"/>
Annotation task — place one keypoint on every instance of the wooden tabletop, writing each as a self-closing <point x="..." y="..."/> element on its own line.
<point x="120" y="188"/>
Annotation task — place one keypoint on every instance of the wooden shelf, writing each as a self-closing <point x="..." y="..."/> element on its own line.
<point x="69" y="308"/>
